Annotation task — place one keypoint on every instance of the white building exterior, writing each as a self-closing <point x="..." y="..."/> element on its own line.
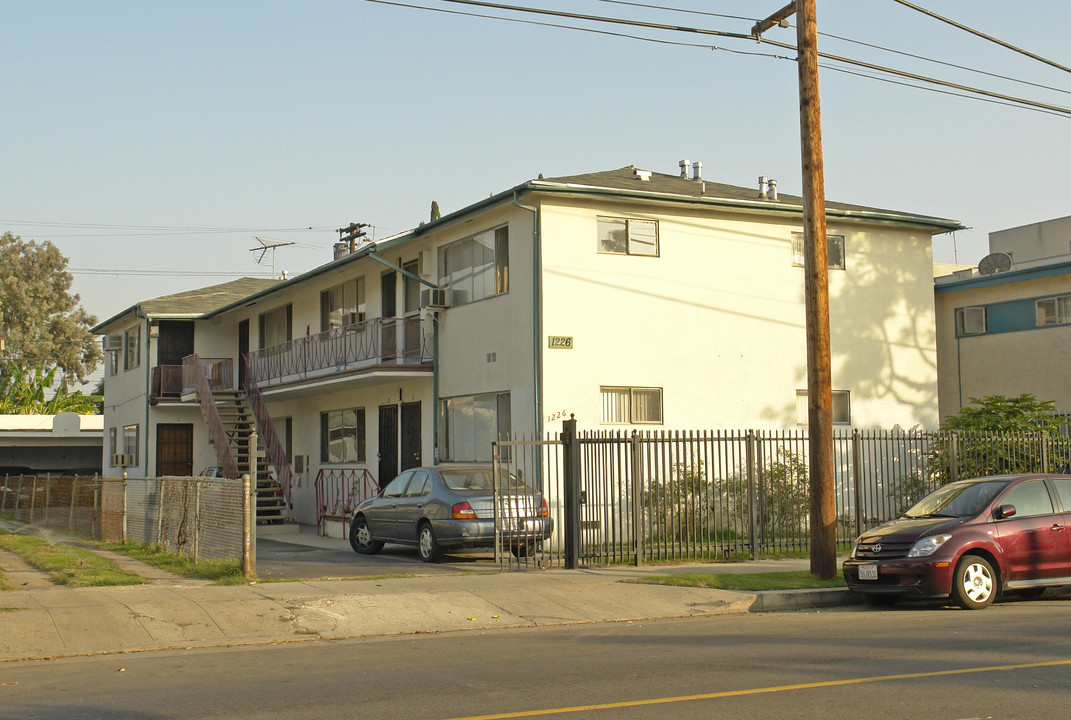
<point x="628" y="299"/>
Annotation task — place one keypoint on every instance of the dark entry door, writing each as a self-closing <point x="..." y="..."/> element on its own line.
<point x="243" y="349"/>
<point x="410" y="435"/>
<point x="174" y="449"/>
<point x="388" y="337"/>
<point x="388" y="443"/>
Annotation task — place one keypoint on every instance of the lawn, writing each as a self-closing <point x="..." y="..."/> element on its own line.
<point x="222" y="572"/>
<point x="66" y="564"/>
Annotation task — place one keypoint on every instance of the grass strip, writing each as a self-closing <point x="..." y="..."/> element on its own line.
<point x="752" y="582"/>
<point x="66" y="564"/>
<point x="221" y="572"/>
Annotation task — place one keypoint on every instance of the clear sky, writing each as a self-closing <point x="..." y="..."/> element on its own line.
<point x="151" y="142"/>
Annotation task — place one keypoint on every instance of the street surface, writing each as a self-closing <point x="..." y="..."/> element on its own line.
<point x="919" y="661"/>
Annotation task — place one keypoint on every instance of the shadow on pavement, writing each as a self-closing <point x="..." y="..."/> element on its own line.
<point x="281" y="560"/>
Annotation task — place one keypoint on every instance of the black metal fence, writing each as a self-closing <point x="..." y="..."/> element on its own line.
<point x="660" y="496"/>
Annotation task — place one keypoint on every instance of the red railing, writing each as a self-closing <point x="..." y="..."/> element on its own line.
<point x="365" y="344"/>
<point x="338" y="492"/>
<point x="273" y="447"/>
<point x="193" y="375"/>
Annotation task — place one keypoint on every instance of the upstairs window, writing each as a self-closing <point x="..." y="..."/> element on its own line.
<point x="342" y="305"/>
<point x="834" y="251"/>
<point x="476" y="267"/>
<point x="1054" y="310"/>
<point x="275" y="326"/>
<point x="628" y="236"/>
<point x="971" y="321"/>
<point x="132" y="348"/>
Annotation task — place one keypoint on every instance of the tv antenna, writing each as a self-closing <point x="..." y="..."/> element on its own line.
<point x="265" y="246"/>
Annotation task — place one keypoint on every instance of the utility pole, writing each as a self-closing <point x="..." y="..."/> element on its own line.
<point x="816" y="270"/>
<point x="351" y="234"/>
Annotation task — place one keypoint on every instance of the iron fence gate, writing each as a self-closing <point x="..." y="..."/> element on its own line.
<point x="712" y="495"/>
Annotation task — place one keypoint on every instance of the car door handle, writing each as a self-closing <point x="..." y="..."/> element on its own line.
<point x="1056" y="527"/>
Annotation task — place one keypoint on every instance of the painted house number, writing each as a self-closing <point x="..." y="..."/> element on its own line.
<point x="560" y="342"/>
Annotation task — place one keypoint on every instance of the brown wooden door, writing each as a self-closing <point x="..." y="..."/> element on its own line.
<point x="174" y="449"/>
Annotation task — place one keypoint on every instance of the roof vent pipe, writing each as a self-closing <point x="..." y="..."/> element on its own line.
<point x="764" y="184"/>
<point x="684" y="168"/>
<point x="697" y="170"/>
<point x="773" y="189"/>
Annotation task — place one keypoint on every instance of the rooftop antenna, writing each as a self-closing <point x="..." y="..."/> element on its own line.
<point x="265" y="246"/>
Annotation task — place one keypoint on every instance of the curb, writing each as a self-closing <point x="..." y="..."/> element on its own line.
<point x="776" y="600"/>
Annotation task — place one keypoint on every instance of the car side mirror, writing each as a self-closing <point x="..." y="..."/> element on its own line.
<point x="1004" y="511"/>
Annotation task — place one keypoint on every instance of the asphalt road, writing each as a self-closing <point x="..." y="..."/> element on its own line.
<point x="280" y="560"/>
<point x="922" y="661"/>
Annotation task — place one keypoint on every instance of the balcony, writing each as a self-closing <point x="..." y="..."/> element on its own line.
<point x="366" y="347"/>
<point x="168" y="382"/>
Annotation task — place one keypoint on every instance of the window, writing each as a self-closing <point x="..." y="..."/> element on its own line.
<point x="113" y="362"/>
<point x="1054" y="310"/>
<point x="342" y="436"/>
<point x="130" y="442"/>
<point x="1030" y="498"/>
<point x="834" y="251"/>
<point x="342" y="305"/>
<point x="971" y="321"/>
<point x="631" y="405"/>
<point x="275" y="326"/>
<point x="476" y="267"/>
<point x="628" y="236"/>
<point x="132" y="348"/>
<point x="842" y="411"/>
<point x="471" y="423"/>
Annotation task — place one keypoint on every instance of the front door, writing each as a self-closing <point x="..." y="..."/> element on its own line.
<point x="388" y="443"/>
<point x="174" y="450"/>
<point x="410" y="435"/>
<point x="1034" y="540"/>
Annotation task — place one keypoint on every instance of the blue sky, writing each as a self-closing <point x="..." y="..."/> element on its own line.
<point x="270" y="116"/>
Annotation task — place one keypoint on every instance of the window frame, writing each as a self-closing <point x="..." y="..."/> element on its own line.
<point x="632" y="243"/>
<point x="352" y="307"/>
<point x="453" y="439"/>
<point x="631" y="406"/>
<point x="287" y="313"/>
<point x="963" y="316"/>
<point x="1061" y="311"/>
<point x="132" y="348"/>
<point x="334" y="421"/>
<point x="803" y="407"/>
<point x="834" y="244"/>
<point x="469" y="280"/>
<point x="131" y="437"/>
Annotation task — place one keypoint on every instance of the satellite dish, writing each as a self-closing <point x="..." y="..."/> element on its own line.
<point x="995" y="263"/>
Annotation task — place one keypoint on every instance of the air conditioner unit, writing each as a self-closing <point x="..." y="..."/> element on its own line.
<point x="117" y="460"/>
<point x="437" y="298"/>
<point x="113" y="343"/>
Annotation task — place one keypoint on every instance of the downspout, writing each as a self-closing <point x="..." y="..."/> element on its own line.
<point x="434" y="353"/>
<point x="148" y="386"/>
<point x="537" y="314"/>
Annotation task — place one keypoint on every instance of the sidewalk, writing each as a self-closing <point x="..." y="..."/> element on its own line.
<point x="178" y="613"/>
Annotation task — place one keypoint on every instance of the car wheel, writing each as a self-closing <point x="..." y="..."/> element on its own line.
<point x="361" y="538"/>
<point x="974" y="586"/>
<point x="427" y="545"/>
<point x="523" y="550"/>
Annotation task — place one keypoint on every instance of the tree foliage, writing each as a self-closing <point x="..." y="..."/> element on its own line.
<point x="23" y="392"/>
<point x="45" y="324"/>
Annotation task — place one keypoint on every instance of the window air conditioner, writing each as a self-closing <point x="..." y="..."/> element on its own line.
<point x="437" y="298"/>
<point x="117" y="460"/>
<point x="113" y="343"/>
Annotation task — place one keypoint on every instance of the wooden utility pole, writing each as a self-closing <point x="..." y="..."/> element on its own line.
<point x="816" y="269"/>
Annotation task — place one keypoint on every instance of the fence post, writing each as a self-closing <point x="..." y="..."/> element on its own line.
<point x="3" y="495"/>
<point x="96" y="512"/>
<point x="571" y="455"/>
<point x="33" y="498"/>
<point x="48" y="497"/>
<point x="857" y="482"/>
<point x="953" y="451"/>
<point x="74" y="494"/>
<point x="247" y="571"/>
<point x="124" y="507"/>
<point x="1044" y="439"/>
<point x="752" y="488"/>
<point x="638" y="525"/>
<point x="254" y="460"/>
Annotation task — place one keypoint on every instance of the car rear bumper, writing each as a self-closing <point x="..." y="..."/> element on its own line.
<point x="481" y="533"/>
<point x="922" y="577"/>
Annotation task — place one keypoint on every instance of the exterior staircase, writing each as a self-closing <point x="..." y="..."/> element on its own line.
<point x="238" y="424"/>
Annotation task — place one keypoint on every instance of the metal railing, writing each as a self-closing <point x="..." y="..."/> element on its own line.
<point x="218" y="373"/>
<point x="353" y="347"/>
<point x="724" y="494"/>
<point x="273" y="447"/>
<point x="193" y="374"/>
<point x="338" y="492"/>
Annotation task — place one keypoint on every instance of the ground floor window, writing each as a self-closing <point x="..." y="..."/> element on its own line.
<point x="631" y="405"/>
<point x="342" y="434"/>
<point x="470" y="423"/>
<point x="130" y="443"/>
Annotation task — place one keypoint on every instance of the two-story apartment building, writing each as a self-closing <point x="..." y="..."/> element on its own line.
<point x="627" y="298"/>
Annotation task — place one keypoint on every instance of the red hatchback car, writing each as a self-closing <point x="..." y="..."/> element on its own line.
<point x="970" y="540"/>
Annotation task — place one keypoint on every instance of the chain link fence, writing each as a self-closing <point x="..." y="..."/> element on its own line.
<point x="200" y="518"/>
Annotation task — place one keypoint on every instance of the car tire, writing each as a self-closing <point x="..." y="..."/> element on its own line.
<point x="361" y="538"/>
<point x="427" y="545"/>
<point x="523" y="550"/>
<point x="974" y="584"/>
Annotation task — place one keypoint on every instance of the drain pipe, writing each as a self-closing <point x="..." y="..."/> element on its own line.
<point x="537" y="314"/>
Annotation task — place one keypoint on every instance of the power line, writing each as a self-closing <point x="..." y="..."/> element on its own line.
<point x="680" y="10"/>
<point x="166" y="273"/>
<point x="981" y="34"/>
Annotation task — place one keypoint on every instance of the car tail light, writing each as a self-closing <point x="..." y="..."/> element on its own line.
<point x="544" y="511"/>
<point x="462" y="511"/>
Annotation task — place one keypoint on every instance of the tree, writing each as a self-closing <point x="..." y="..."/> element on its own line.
<point x="45" y="324"/>
<point x="22" y="392"/>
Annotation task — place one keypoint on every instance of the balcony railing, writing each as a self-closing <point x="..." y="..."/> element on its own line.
<point x="381" y="341"/>
<point x="219" y="372"/>
<point x="169" y="381"/>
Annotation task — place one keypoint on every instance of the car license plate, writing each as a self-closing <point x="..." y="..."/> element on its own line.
<point x="868" y="572"/>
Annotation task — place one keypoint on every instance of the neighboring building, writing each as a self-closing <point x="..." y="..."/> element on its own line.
<point x="63" y="444"/>
<point x="1004" y="328"/>
<point x="630" y="299"/>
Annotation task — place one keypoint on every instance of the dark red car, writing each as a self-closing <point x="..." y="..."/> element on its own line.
<point x="970" y="540"/>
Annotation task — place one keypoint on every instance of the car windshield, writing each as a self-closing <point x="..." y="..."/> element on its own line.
<point x="475" y="479"/>
<point x="957" y="499"/>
